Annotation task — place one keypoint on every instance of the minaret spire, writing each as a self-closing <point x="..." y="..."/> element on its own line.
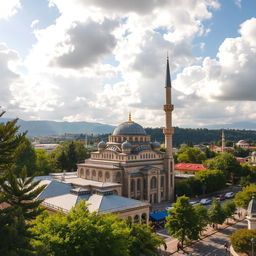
<point x="168" y="82"/>
<point x="222" y="141"/>
<point x="168" y="133"/>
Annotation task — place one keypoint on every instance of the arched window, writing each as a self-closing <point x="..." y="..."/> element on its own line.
<point x="162" y="181"/>
<point x="153" y="182"/>
<point x="132" y="185"/>
<point x="107" y="175"/>
<point x="93" y="173"/>
<point x="81" y="172"/>
<point x="144" y="218"/>
<point x="100" y="174"/>
<point x="118" y="177"/>
<point x="138" y="185"/>
<point x="87" y="173"/>
<point x="136" y="219"/>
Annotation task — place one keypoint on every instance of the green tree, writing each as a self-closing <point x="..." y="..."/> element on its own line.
<point x="80" y="233"/>
<point x="209" y="153"/>
<point x="191" y="155"/>
<point x="9" y="141"/>
<point x="240" y="152"/>
<point x="243" y="198"/>
<point x="143" y="241"/>
<point x="43" y="163"/>
<point x="227" y="163"/>
<point x="212" y="180"/>
<point x="71" y="157"/>
<point x="62" y="161"/>
<point x="19" y="195"/>
<point x="216" y="213"/>
<point x="241" y="240"/>
<point x="229" y="208"/>
<point x="203" y="219"/>
<point x="183" y="222"/>
<point x="83" y="233"/>
<point x="25" y="156"/>
<point x="183" y="188"/>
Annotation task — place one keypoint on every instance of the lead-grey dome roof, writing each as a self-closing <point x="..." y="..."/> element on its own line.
<point x="129" y="128"/>
<point x="126" y="145"/>
<point x="101" y="144"/>
<point x="155" y="144"/>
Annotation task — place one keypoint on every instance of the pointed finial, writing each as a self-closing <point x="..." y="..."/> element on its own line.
<point x="168" y="82"/>
<point x="130" y="117"/>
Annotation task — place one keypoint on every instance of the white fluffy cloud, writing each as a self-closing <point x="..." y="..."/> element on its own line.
<point x="99" y="61"/>
<point x="9" y="8"/>
<point x="8" y="59"/>
<point x="227" y="81"/>
<point x="102" y="59"/>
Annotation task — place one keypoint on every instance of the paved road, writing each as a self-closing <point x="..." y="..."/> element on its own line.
<point x="212" y="245"/>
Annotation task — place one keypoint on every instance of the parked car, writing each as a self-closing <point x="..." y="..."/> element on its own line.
<point x="196" y="202"/>
<point x="229" y="195"/>
<point x="205" y="201"/>
<point x="220" y="197"/>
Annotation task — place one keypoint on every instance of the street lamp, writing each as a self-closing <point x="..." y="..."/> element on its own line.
<point x="253" y="240"/>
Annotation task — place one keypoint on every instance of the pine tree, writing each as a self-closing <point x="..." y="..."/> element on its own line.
<point x="19" y="195"/>
<point x="9" y="141"/>
<point x="62" y="161"/>
<point x="72" y="157"/>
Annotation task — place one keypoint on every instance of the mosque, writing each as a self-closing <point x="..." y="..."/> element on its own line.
<point x="125" y="175"/>
<point x="133" y="162"/>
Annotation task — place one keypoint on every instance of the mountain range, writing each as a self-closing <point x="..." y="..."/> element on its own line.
<point x="48" y="128"/>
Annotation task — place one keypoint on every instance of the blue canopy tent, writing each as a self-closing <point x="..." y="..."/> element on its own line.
<point x="157" y="216"/>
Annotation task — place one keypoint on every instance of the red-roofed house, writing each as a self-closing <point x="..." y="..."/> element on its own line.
<point x="188" y="168"/>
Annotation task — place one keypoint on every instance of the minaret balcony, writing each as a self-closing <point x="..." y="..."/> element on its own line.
<point x="168" y="131"/>
<point x="168" y="107"/>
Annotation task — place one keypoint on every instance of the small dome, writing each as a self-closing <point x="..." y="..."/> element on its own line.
<point x="102" y="144"/>
<point x="155" y="145"/>
<point x="252" y="207"/>
<point x="242" y="142"/>
<point x="254" y="153"/>
<point x="129" y="128"/>
<point x="126" y="145"/>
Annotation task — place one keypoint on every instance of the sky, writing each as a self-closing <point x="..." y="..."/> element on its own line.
<point x="98" y="60"/>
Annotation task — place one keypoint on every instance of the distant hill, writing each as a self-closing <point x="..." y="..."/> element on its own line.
<point x="201" y="135"/>
<point x="45" y="128"/>
<point x="181" y="135"/>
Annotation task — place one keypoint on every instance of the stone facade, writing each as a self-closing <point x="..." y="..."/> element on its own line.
<point x="131" y="159"/>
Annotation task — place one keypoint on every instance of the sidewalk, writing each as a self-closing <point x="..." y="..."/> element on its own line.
<point x="209" y="231"/>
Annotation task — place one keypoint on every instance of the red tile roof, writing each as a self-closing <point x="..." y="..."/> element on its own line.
<point x="240" y="159"/>
<point x="189" y="166"/>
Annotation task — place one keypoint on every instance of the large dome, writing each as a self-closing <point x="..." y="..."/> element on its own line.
<point x="129" y="128"/>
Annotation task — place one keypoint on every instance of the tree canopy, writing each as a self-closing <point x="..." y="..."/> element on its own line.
<point x="190" y="155"/>
<point x="241" y="240"/>
<point x="227" y="163"/>
<point x="183" y="222"/>
<point x="216" y="213"/>
<point x="83" y="233"/>
<point x="243" y="197"/>
<point x="9" y="141"/>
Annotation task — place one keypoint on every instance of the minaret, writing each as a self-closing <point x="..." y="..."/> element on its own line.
<point x="222" y="141"/>
<point x="168" y="133"/>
